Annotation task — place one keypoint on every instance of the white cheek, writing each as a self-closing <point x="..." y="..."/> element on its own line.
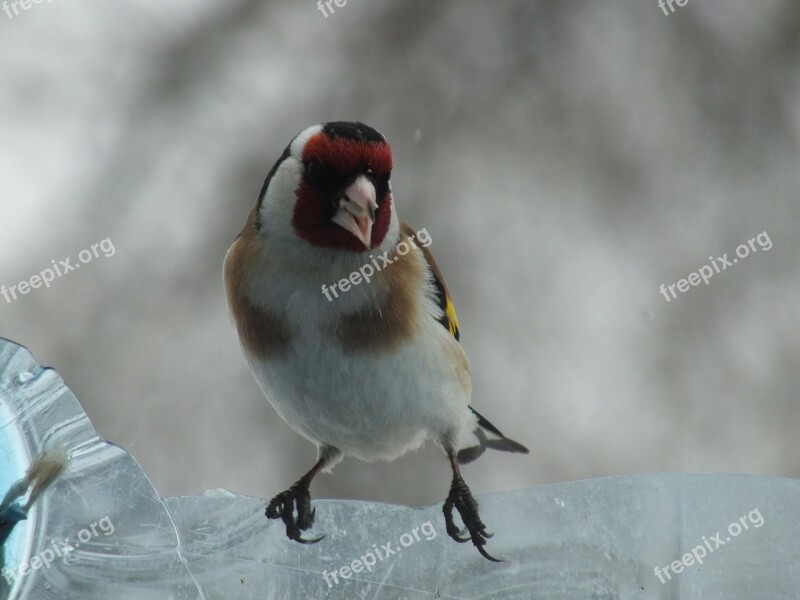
<point x="299" y="143"/>
<point x="278" y="206"/>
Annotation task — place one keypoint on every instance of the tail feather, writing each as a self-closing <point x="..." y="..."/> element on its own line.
<point x="504" y="444"/>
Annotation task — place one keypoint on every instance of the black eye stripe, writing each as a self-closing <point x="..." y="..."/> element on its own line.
<point x="322" y="176"/>
<point x="313" y="171"/>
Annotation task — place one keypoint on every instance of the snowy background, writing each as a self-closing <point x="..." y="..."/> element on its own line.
<point x="567" y="158"/>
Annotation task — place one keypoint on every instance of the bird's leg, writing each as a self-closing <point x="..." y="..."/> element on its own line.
<point x="296" y="499"/>
<point x="461" y="498"/>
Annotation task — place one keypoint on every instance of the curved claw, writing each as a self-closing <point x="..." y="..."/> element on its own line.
<point x="455" y="535"/>
<point x="273" y="511"/>
<point x="483" y="532"/>
<point x="450" y="525"/>
<point x="460" y="538"/>
<point x="461" y="498"/>
<point x="485" y="554"/>
<point x="283" y="507"/>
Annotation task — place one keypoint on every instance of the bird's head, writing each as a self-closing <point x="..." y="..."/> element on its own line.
<point x="331" y="189"/>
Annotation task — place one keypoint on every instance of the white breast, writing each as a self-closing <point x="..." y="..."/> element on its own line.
<point x="371" y="405"/>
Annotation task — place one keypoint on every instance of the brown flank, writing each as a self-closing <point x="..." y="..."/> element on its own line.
<point x="396" y="320"/>
<point x="262" y="333"/>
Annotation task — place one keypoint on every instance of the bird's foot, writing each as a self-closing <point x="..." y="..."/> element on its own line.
<point x="461" y="498"/>
<point x="284" y="506"/>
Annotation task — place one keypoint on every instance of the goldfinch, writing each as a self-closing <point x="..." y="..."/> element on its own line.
<point x="346" y="322"/>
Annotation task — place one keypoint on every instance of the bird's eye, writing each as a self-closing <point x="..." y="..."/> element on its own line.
<point x="313" y="171"/>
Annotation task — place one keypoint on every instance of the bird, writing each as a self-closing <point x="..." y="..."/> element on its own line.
<point x="346" y="323"/>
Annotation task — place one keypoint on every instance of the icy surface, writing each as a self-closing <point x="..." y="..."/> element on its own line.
<point x="586" y="539"/>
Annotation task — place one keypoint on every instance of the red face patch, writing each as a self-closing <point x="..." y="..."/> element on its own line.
<point x="340" y="160"/>
<point x="348" y="156"/>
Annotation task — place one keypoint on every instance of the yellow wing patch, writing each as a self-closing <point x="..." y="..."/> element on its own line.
<point x="452" y="319"/>
<point x="448" y="320"/>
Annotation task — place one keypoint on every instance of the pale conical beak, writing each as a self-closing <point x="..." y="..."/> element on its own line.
<point x="356" y="211"/>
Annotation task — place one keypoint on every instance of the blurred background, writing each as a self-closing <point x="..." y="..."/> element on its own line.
<point x="567" y="159"/>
